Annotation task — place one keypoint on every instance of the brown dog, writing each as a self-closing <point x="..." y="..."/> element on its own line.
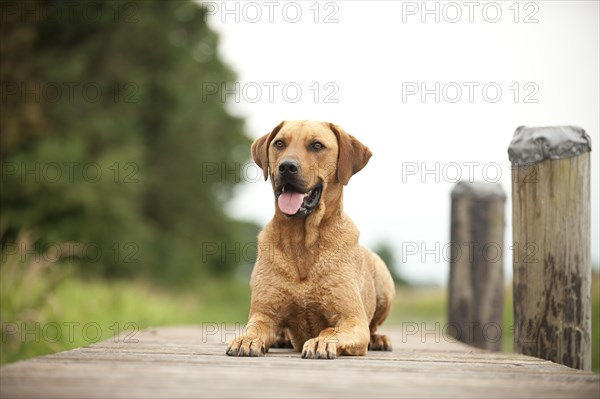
<point x="312" y="283"/>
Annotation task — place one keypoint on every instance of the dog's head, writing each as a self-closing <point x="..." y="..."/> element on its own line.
<point x="305" y="160"/>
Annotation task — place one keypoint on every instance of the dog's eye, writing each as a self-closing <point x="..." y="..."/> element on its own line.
<point x="279" y="144"/>
<point x="317" y="146"/>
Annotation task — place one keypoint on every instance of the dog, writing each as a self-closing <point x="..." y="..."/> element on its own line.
<point x="313" y="286"/>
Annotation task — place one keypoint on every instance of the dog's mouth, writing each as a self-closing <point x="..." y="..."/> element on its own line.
<point x="295" y="202"/>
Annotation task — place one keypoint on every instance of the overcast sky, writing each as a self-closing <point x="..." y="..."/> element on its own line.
<point x="493" y="66"/>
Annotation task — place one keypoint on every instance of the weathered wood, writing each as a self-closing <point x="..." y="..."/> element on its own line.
<point x="178" y="362"/>
<point x="551" y="248"/>
<point x="476" y="284"/>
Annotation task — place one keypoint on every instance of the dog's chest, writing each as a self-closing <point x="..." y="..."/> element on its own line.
<point x="308" y="310"/>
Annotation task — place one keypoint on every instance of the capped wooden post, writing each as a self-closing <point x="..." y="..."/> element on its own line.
<point x="476" y="285"/>
<point x="551" y="248"/>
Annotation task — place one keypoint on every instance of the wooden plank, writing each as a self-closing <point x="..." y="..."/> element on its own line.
<point x="182" y="362"/>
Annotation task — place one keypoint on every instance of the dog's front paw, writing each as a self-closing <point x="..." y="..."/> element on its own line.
<point x="246" y="346"/>
<point x="380" y="343"/>
<point x="319" y="348"/>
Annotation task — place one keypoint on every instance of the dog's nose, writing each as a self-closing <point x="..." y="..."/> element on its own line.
<point x="288" y="167"/>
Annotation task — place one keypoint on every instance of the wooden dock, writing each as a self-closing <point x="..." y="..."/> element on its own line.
<point x="186" y="362"/>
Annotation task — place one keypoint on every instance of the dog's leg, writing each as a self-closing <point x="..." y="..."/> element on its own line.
<point x="282" y="340"/>
<point x="384" y="286"/>
<point x="380" y="343"/>
<point x="350" y="337"/>
<point x="259" y="335"/>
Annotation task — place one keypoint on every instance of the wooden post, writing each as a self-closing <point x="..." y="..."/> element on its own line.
<point x="476" y="286"/>
<point x="551" y="248"/>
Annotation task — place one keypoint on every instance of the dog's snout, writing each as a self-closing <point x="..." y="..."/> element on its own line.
<point x="289" y="167"/>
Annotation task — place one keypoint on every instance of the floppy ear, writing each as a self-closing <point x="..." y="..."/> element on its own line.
<point x="352" y="156"/>
<point x="260" y="149"/>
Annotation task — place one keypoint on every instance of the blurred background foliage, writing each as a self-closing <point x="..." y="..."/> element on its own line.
<point x="107" y="140"/>
<point x="115" y="172"/>
<point x="115" y="168"/>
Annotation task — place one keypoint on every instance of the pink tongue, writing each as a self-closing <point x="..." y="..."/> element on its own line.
<point x="290" y="201"/>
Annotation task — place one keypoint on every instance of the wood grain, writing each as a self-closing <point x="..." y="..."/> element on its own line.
<point x="476" y="283"/>
<point x="188" y="362"/>
<point x="551" y="260"/>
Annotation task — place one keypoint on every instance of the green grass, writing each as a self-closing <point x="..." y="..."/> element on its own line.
<point x="418" y="305"/>
<point x="46" y="308"/>
<point x="81" y="312"/>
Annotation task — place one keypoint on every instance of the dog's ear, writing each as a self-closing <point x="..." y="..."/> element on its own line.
<point x="352" y="156"/>
<point x="260" y="149"/>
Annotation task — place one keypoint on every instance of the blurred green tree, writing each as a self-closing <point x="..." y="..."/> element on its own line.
<point x="109" y="140"/>
<point x="386" y="253"/>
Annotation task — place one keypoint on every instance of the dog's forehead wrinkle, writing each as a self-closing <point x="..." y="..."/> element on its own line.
<point x="308" y="131"/>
